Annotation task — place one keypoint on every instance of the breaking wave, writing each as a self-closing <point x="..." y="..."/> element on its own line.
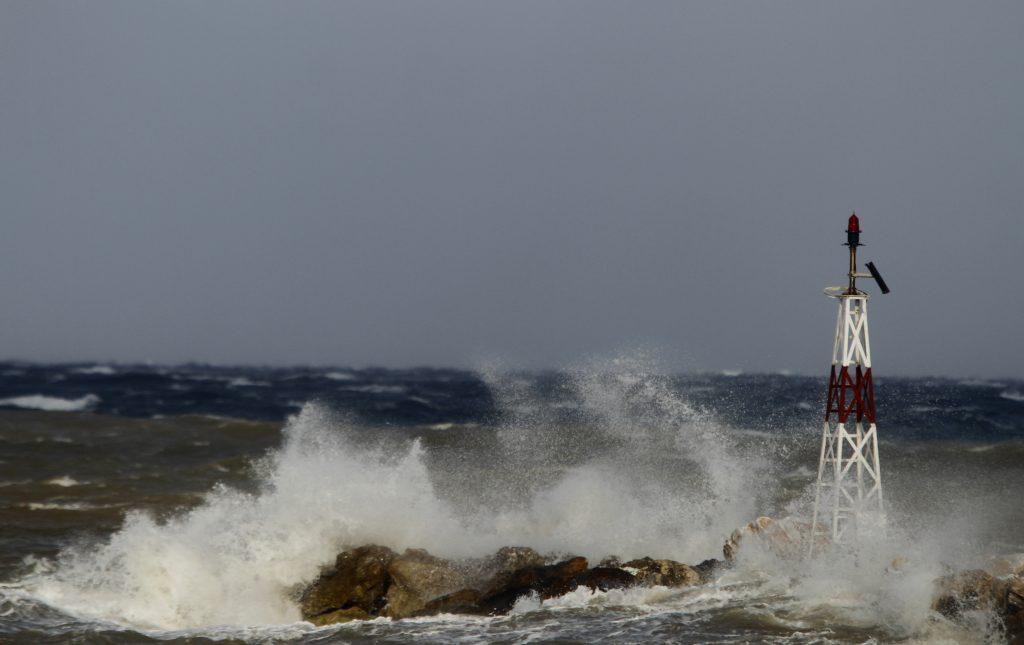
<point x="51" y="403"/>
<point x="634" y="469"/>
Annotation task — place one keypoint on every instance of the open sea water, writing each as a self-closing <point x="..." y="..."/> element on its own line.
<point x="143" y="503"/>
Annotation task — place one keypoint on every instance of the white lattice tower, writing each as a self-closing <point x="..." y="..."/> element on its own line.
<point x="848" y="491"/>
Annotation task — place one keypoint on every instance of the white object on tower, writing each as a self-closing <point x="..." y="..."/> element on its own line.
<point x="848" y="492"/>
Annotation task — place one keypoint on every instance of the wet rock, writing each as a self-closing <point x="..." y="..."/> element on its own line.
<point x="964" y="591"/>
<point x="976" y="590"/>
<point x="503" y="563"/>
<point x="416" y="578"/>
<point x="1012" y="609"/>
<point x="786" y="538"/>
<point x="605" y="579"/>
<point x="464" y="601"/>
<point x="665" y="573"/>
<point x="358" y="579"/>
<point x="546" y="581"/>
<point x="610" y="561"/>
<point x="1005" y="565"/>
<point x="709" y="569"/>
<point x="339" y="616"/>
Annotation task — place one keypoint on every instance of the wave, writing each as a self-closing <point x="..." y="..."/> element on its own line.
<point x="639" y="471"/>
<point x="339" y="376"/>
<point x="98" y="370"/>
<point x="375" y="389"/>
<point x="51" y="403"/>
<point x="236" y="558"/>
<point x="67" y="506"/>
<point x="64" y="481"/>
<point x="1012" y="395"/>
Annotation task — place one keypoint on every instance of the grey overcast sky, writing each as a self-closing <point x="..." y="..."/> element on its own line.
<point x="410" y="183"/>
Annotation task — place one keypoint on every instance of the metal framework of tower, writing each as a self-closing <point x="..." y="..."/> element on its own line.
<point x="849" y="486"/>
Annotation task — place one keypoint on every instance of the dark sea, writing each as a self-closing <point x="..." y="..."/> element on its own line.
<point x="190" y="504"/>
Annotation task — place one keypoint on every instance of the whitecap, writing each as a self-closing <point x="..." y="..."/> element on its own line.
<point x="50" y="403"/>
<point x="376" y="389"/>
<point x="1012" y="395"/>
<point x="241" y="381"/>
<point x="67" y="506"/>
<point x="339" y="376"/>
<point x="64" y="481"/>
<point x="100" y="370"/>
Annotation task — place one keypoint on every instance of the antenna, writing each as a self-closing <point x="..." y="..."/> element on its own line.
<point x="853" y="241"/>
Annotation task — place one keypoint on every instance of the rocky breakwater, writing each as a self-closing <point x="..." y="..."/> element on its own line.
<point x="371" y="581"/>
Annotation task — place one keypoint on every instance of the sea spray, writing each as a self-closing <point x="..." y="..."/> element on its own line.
<point x="238" y="557"/>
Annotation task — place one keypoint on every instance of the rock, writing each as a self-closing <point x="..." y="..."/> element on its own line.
<point x="709" y="569"/>
<point x="464" y="601"/>
<point x="359" y="578"/>
<point x="665" y="573"/>
<point x="546" y="581"/>
<point x="786" y="538"/>
<point x="605" y="578"/>
<point x="417" y="578"/>
<point x="1005" y="565"/>
<point x="975" y="590"/>
<point x="964" y="591"/>
<point x="507" y="560"/>
<point x="339" y="616"/>
<point x="1012" y="609"/>
<point x="610" y="561"/>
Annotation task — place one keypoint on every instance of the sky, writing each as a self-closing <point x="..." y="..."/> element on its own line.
<point x="529" y="182"/>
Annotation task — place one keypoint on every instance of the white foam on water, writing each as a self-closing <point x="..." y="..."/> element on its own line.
<point x="99" y="370"/>
<point x="64" y="481"/>
<point x="339" y="376"/>
<point x="375" y="389"/>
<point x="242" y="381"/>
<point x="1012" y="395"/>
<point x="67" y="506"/>
<point x="51" y="403"/>
<point x="237" y="558"/>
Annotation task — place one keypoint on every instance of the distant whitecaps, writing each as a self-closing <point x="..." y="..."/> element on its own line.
<point x="1012" y="395"/>
<point x="376" y="389"/>
<point x="103" y="370"/>
<point x="63" y="481"/>
<point x="51" y="403"/>
<point x="339" y="376"/>
<point x="241" y="381"/>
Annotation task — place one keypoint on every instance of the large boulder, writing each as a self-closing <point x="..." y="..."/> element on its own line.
<point x="546" y="581"/>
<point x="964" y="591"/>
<point x="359" y="579"/>
<point x="709" y="569"/>
<point x="417" y="578"/>
<point x="786" y="538"/>
<point x="978" y="590"/>
<point x="1012" y="608"/>
<point x="665" y="573"/>
<point x="496" y="568"/>
<point x="464" y="601"/>
<point x="605" y="579"/>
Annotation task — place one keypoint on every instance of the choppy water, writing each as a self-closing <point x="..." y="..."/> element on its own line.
<point x="189" y="503"/>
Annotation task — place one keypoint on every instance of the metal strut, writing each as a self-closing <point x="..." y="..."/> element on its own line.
<point x="849" y="484"/>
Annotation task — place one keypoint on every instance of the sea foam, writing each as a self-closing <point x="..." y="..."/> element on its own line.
<point x="51" y="403"/>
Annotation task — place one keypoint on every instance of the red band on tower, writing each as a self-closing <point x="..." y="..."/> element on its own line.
<point x="850" y="395"/>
